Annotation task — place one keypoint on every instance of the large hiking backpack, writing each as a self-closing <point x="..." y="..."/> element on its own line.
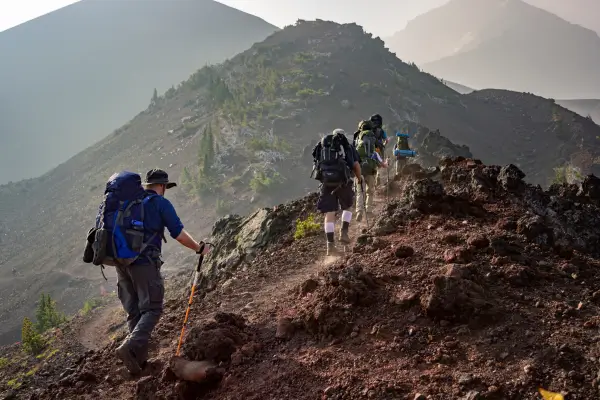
<point x="402" y="141"/>
<point x="366" y="146"/>
<point x="330" y="160"/>
<point x="118" y="237"/>
<point x="365" y="125"/>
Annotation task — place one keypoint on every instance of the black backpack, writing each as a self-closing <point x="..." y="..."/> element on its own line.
<point x="330" y="160"/>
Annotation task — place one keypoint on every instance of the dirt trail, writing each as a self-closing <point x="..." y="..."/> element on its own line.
<point x="261" y="297"/>
<point x="104" y="322"/>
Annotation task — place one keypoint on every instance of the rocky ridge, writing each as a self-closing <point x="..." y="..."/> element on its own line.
<point x="472" y="284"/>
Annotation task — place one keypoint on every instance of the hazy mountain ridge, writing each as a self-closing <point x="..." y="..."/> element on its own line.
<point x="71" y="77"/>
<point x="584" y="107"/>
<point x="266" y="105"/>
<point x="510" y="45"/>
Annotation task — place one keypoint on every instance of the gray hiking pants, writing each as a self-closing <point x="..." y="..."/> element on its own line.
<point x="141" y="291"/>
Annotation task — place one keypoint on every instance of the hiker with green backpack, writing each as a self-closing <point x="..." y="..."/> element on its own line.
<point x="128" y="235"/>
<point x="369" y="148"/>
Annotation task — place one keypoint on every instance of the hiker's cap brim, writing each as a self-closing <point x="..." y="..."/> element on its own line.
<point x="169" y="185"/>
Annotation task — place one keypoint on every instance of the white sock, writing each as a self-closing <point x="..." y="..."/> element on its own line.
<point x="346" y="216"/>
<point x="329" y="227"/>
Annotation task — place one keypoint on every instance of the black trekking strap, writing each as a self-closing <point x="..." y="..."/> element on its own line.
<point x="338" y="187"/>
<point x="102" y="268"/>
<point x="118" y="220"/>
<point x="194" y="285"/>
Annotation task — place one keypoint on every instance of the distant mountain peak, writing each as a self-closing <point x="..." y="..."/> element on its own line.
<point x="504" y="44"/>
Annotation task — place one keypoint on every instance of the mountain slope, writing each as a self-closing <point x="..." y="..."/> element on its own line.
<point x="71" y="77"/>
<point x="504" y="44"/>
<point x="580" y="12"/>
<point x="237" y="136"/>
<point x="470" y="285"/>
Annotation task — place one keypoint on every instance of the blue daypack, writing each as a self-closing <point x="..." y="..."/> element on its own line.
<point x="118" y="237"/>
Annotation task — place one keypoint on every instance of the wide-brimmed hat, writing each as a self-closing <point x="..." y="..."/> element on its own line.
<point x="158" y="176"/>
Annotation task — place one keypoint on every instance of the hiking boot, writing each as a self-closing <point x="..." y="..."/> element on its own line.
<point x="124" y="354"/>
<point x="344" y="238"/>
<point x="331" y="249"/>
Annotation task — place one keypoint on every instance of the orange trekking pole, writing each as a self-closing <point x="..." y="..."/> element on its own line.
<point x="194" y="284"/>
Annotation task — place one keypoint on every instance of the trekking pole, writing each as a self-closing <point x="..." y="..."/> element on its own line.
<point x="194" y="285"/>
<point x="387" y="184"/>
<point x="354" y="204"/>
<point x="362" y="189"/>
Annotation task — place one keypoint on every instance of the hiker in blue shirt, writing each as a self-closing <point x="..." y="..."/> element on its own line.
<point x="140" y="285"/>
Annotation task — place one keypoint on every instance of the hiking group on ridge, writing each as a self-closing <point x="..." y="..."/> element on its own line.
<point x="336" y="160"/>
<point x="131" y="221"/>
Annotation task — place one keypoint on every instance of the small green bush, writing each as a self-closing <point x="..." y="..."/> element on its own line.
<point x="89" y="305"/>
<point x="265" y="144"/>
<point x="191" y="127"/>
<point x="303" y="57"/>
<point x="31" y="341"/>
<point x="4" y="362"/>
<point x="14" y="383"/>
<point x="47" y="314"/>
<point x="306" y="227"/>
<point x="263" y="182"/>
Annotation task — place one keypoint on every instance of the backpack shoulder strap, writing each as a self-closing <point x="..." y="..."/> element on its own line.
<point x="148" y="197"/>
<point x="146" y="200"/>
<point x="316" y="153"/>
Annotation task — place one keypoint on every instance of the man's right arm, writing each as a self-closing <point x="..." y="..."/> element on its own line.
<point x="188" y="241"/>
<point x="175" y="226"/>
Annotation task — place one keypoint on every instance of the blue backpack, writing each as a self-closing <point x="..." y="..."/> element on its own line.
<point x="118" y="237"/>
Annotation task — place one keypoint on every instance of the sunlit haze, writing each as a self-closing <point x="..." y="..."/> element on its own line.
<point x="380" y="17"/>
<point x="15" y="12"/>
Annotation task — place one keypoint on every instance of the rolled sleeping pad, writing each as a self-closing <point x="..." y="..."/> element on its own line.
<point x="398" y="134"/>
<point x="405" y="153"/>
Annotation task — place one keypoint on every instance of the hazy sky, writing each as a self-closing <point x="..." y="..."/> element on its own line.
<point x="15" y="12"/>
<point x="380" y="17"/>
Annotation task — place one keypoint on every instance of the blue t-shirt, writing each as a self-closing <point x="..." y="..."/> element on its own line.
<point x="159" y="214"/>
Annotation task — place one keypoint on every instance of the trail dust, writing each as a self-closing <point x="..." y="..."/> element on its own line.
<point x="256" y="298"/>
<point x="270" y="294"/>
